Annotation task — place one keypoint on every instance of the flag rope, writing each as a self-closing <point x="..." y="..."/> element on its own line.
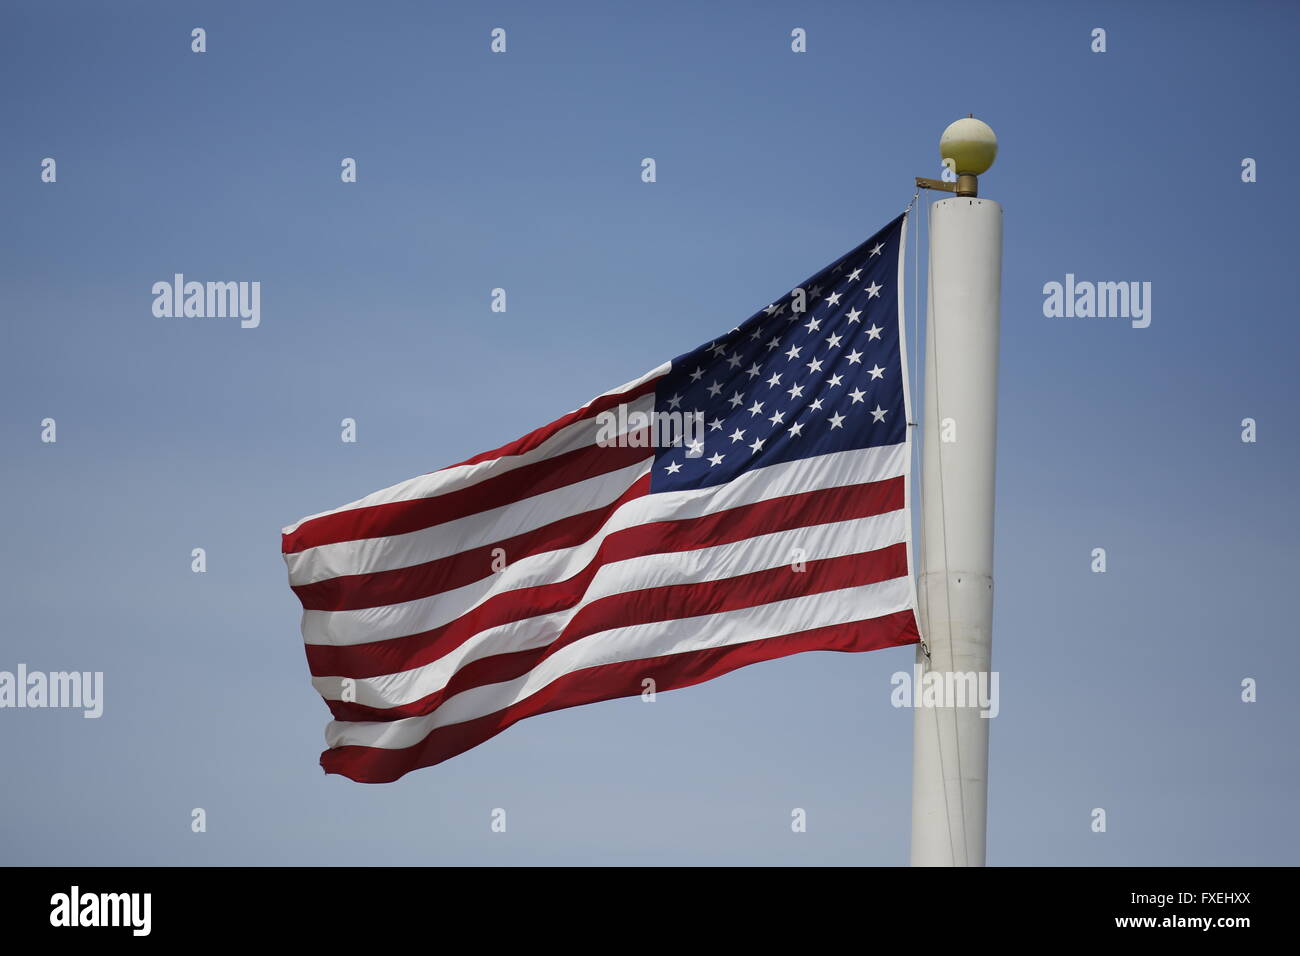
<point x="916" y="351"/>
<point x="943" y="537"/>
<point x="923" y="593"/>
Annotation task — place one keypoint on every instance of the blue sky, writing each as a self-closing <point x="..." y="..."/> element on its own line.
<point x="1119" y="690"/>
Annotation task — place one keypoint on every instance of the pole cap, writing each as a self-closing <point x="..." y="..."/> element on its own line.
<point x="970" y="144"/>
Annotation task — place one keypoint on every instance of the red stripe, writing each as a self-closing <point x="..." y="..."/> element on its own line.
<point x="404" y="517"/>
<point x="663" y="603"/>
<point x="609" y="681"/>
<point x="536" y="437"/>
<point x="354" y="592"/>
<point x="778" y="514"/>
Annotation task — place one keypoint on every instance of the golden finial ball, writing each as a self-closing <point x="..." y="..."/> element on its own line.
<point x="970" y="144"/>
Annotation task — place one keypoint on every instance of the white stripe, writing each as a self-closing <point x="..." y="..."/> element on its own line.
<point x="368" y="555"/>
<point x="632" y="643"/>
<point x="436" y="483"/>
<point x="720" y="562"/>
<point x="313" y="564"/>
<point x="411" y="617"/>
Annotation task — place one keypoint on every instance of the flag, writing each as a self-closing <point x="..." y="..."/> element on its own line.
<point x="746" y="501"/>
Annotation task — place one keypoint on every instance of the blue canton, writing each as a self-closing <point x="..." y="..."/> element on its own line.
<point x="818" y="371"/>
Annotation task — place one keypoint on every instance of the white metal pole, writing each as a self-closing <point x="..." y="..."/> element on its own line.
<point x="950" y="764"/>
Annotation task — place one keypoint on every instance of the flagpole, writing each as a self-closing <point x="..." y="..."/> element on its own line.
<point x="950" y="745"/>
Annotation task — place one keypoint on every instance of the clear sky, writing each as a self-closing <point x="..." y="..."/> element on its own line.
<point x="522" y="170"/>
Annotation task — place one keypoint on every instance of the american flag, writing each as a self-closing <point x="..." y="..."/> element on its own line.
<point x="566" y="568"/>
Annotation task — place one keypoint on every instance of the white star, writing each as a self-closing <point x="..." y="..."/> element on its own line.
<point x="715" y="389"/>
<point x="777" y="418"/>
<point x="736" y="436"/>
<point x="834" y="340"/>
<point x="715" y="460"/>
<point x="836" y="379"/>
<point x="755" y="408"/>
<point x="796" y="429"/>
<point x="758" y="445"/>
<point x="854" y="274"/>
<point x="878" y="414"/>
<point x="753" y="371"/>
<point x="837" y="421"/>
<point x="814" y="366"/>
<point x="695" y="449"/>
<point x="813" y="325"/>
<point x="697" y="375"/>
<point x="719" y="348"/>
<point x="816" y="406"/>
<point x="876" y="251"/>
<point x="673" y="469"/>
<point x="795" y="391"/>
<point x="780" y="308"/>
<point x="853" y="315"/>
<point x="874" y="331"/>
<point x="756" y="335"/>
<point x="856" y="395"/>
<point x="816" y="291"/>
<point x="877" y="372"/>
<point x="770" y="309"/>
<point x="833" y="299"/>
<point x="774" y="380"/>
<point x="675" y="401"/>
<point x="734" y="361"/>
<point x="873" y="291"/>
<point x="736" y="400"/>
<point x="715" y="425"/>
<point x="775" y="343"/>
<point x="854" y="357"/>
<point x="793" y="353"/>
